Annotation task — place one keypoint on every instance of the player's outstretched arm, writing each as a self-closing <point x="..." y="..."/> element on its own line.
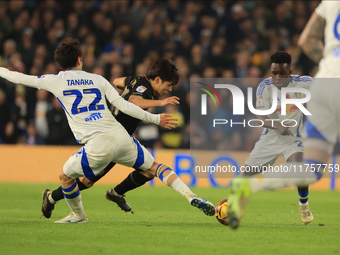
<point x="133" y="110"/>
<point x="147" y="103"/>
<point x="137" y="112"/>
<point x="310" y="40"/>
<point x="19" y="78"/>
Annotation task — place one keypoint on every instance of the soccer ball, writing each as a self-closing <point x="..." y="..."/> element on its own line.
<point x="221" y="212"/>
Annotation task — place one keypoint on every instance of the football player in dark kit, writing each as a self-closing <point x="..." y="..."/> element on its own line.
<point x="139" y="90"/>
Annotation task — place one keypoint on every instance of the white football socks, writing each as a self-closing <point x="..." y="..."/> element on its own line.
<point x="178" y="185"/>
<point x="182" y="188"/>
<point x="76" y="206"/>
<point x="73" y="199"/>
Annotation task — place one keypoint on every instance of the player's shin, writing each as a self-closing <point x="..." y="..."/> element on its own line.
<point x="132" y="181"/>
<point x="58" y="194"/>
<point x="170" y="178"/>
<point x="304" y="210"/>
<point x="303" y="194"/>
<point x="73" y="199"/>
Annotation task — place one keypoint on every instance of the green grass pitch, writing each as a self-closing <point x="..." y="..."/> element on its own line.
<point x="164" y="223"/>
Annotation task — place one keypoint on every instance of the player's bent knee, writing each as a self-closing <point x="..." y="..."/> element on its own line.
<point x="150" y="173"/>
<point x="65" y="181"/>
<point x="154" y="166"/>
<point x="86" y="182"/>
<point x="89" y="185"/>
<point x="62" y="176"/>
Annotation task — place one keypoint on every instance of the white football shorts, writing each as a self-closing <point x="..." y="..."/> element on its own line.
<point x="117" y="146"/>
<point x="265" y="154"/>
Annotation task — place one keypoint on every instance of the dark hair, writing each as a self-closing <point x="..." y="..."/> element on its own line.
<point x="281" y="57"/>
<point x="66" y="55"/>
<point x="165" y="69"/>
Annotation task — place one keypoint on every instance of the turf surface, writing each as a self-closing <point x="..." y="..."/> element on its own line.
<point x="164" y="223"/>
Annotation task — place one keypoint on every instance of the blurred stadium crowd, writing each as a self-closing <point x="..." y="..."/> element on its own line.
<point x="208" y="39"/>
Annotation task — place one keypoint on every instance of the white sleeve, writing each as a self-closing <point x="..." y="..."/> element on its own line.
<point x="263" y="101"/>
<point x="40" y="82"/>
<point x="19" y="78"/>
<point x="129" y="108"/>
<point x="321" y="10"/>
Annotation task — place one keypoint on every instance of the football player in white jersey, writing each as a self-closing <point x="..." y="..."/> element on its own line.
<point x="322" y="126"/>
<point x="277" y="139"/>
<point x="140" y="90"/>
<point x="82" y="95"/>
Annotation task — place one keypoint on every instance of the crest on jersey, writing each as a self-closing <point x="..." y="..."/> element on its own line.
<point x="141" y="89"/>
<point x="133" y="83"/>
<point x="298" y="95"/>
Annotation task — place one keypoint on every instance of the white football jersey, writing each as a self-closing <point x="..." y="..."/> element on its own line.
<point x="264" y="101"/>
<point x="82" y="95"/>
<point x="330" y="63"/>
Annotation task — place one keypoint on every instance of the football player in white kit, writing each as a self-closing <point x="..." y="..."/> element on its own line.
<point x="140" y="90"/>
<point x="322" y="126"/>
<point x="277" y="139"/>
<point x="82" y="95"/>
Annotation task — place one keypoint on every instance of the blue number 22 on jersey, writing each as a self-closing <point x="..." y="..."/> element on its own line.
<point x="335" y="30"/>
<point x="79" y="96"/>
